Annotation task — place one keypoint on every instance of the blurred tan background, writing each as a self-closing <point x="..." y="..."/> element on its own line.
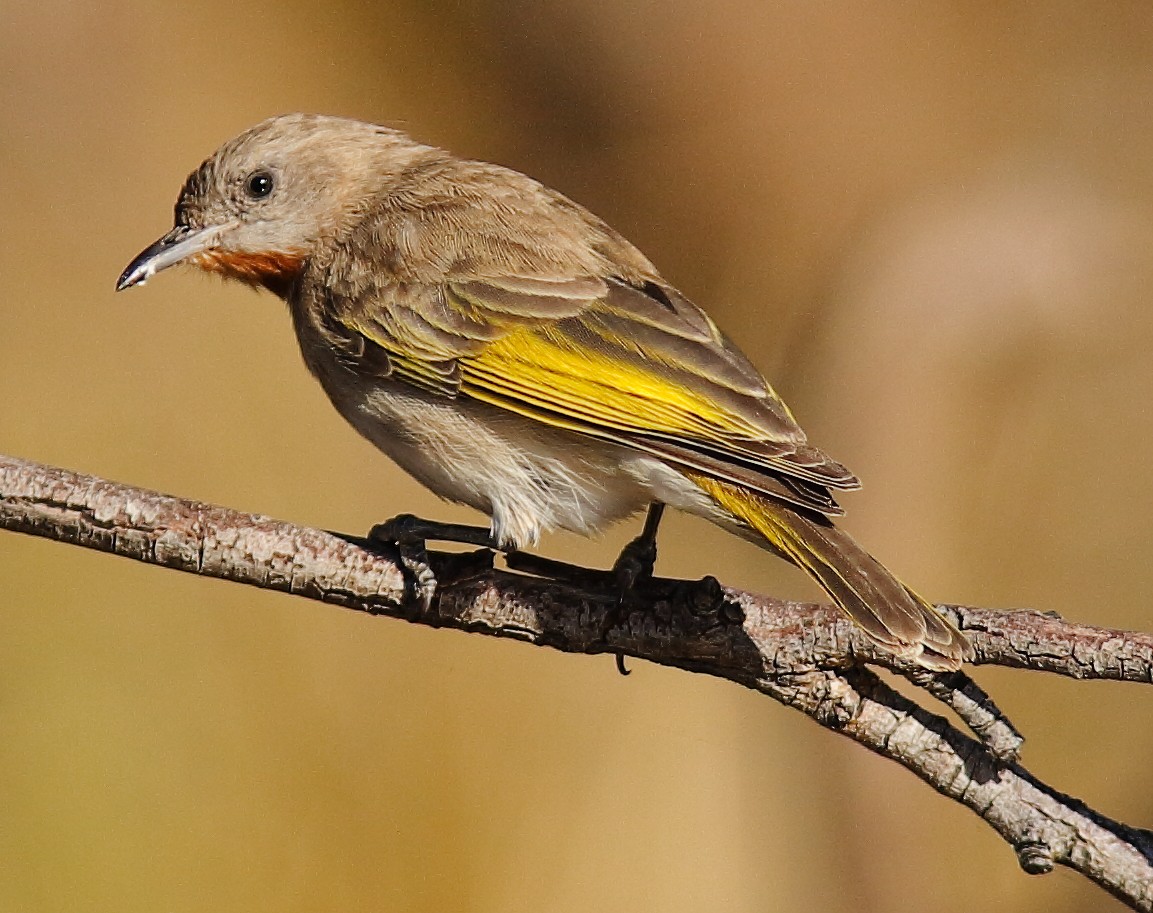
<point x="930" y="225"/>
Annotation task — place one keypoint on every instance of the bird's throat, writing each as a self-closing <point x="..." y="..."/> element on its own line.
<point x="275" y="270"/>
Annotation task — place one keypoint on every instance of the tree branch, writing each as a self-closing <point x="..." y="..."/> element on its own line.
<point x="806" y="656"/>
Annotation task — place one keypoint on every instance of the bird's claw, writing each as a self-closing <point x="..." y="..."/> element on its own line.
<point x="405" y="535"/>
<point x="412" y="559"/>
<point x="421" y="580"/>
<point x="408" y="535"/>
<point x="633" y="567"/>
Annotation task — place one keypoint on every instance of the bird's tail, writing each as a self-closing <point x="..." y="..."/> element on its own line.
<point x="885" y="609"/>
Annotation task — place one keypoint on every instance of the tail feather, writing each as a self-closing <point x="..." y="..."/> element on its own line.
<point x="884" y="608"/>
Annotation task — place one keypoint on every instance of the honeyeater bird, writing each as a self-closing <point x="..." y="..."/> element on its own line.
<point x="514" y="353"/>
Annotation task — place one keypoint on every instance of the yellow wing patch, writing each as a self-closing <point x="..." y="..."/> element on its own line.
<point x="547" y="369"/>
<point x="665" y="382"/>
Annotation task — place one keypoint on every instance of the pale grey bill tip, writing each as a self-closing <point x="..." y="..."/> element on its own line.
<point x="176" y="246"/>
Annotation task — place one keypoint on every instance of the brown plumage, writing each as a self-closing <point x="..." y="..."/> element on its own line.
<point x="511" y="351"/>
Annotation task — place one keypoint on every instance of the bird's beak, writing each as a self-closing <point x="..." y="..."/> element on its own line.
<point x="175" y="247"/>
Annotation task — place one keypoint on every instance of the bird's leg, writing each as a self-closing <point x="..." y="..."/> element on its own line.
<point x="633" y="566"/>
<point x="407" y="529"/>
<point x="636" y="561"/>
<point x="408" y="534"/>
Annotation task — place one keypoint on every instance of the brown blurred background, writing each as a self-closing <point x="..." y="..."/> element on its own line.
<point x="930" y="225"/>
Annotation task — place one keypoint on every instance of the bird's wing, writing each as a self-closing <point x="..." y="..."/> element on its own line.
<point x="641" y="366"/>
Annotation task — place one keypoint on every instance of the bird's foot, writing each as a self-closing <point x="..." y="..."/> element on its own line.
<point x="634" y="565"/>
<point x="408" y="535"/>
<point x="633" y="568"/>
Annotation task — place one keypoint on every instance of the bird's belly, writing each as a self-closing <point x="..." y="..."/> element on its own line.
<point x="527" y="476"/>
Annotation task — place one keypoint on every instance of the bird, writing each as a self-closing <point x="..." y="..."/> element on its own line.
<point x="514" y="353"/>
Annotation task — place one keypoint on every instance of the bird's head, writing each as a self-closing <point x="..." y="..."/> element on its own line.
<point x="266" y="201"/>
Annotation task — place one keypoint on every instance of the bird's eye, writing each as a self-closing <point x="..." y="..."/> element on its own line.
<point x="259" y="184"/>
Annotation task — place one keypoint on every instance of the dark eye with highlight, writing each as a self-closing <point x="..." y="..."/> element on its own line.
<point x="259" y="184"/>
